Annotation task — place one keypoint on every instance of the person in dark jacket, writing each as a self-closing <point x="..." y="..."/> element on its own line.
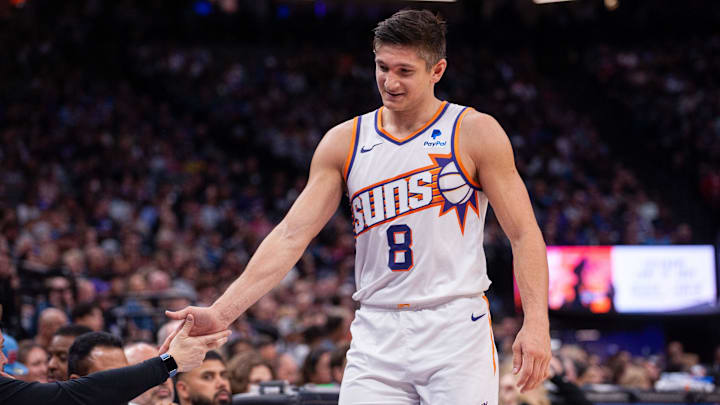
<point x="93" y="352"/>
<point x="115" y="386"/>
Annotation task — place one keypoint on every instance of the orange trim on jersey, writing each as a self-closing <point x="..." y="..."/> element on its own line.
<point x="456" y="153"/>
<point x="353" y="146"/>
<point x="492" y="337"/>
<point x="422" y="128"/>
<point x="401" y="306"/>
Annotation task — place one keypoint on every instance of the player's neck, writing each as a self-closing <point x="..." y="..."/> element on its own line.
<point x="404" y="123"/>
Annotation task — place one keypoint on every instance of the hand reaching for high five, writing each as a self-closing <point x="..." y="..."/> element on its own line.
<point x="206" y="321"/>
<point x="188" y="351"/>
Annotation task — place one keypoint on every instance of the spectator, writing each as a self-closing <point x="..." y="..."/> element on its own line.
<point x="12" y="366"/>
<point x="58" y="351"/>
<point x="239" y="345"/>
<point x="59" y="293"/>
<point x="287" y="369"/>
<point x="162" y="394"/>
<point x="247" y="370"/>
<point x="265" y="345"/>
<point x="678" y="359"/>
<point x="90" y="315"/>
<point x="49" y="321"/>
<point x="35" y="358"/>
<point x="166" y="330"/>
<point x="316" y="368"/>
<point x="635" y="377"/>
<point x="207" y="384"/>
<point x="93" y="352"/>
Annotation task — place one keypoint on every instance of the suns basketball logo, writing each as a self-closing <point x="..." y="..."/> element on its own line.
<point x="453" y="186"/>
<point x="440" y="184"/>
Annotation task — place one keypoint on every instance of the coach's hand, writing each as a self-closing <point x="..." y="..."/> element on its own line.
<point x="189" y="352"/>
<point x="207" y="321"/>
<point x="531" y="356"/>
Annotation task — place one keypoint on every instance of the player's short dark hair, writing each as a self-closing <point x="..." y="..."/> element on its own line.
<point x="73" y="330"/>
<point x="211" y="355"/>
<point x="417" y="28"/>
<point x="83" y="345"/>
<point x="83" y="309"/>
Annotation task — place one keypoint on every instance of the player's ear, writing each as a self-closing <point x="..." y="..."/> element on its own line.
<point x="437" y="71"/>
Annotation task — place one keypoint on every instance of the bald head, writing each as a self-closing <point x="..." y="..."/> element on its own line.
<point x="49" y="321"/>
<point x="52" y="315"/>
<point x="166" y="330"/>
<point x="139" y="352"/>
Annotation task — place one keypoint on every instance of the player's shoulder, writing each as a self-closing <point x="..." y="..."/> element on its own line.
<point x="482" y="132"/>
<point x="334" y="146"/>
<point x="342" y="131"/>
<point x="476" y="122"/>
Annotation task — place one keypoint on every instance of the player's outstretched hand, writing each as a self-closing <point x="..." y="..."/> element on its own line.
<point x="207" y="321"/>
<point x="531" y="356"/>
<point x="188" y="351"/>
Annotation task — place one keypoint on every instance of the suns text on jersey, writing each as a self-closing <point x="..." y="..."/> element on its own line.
<point x="401" y="195"/>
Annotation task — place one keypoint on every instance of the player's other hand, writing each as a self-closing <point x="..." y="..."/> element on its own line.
<point x="206" y="321"/>
<point x="531" y="356"/>
<point x="188" y="351"/>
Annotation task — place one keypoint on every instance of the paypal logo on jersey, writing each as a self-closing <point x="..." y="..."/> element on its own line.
<point x="433" y="142"/>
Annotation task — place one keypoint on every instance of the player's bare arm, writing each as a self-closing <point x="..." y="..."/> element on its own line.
<point x="485" y="150"/>
<point x="283" y="247"/>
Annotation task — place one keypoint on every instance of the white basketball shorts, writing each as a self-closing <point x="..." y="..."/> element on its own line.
<point x="441" y="356"/>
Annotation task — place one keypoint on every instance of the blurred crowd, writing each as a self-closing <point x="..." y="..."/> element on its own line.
<point x="139" y="174"/>
<point x="673" y="90"/>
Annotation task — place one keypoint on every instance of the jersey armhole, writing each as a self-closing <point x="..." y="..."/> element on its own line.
<point x="353" y="149"/>
<point x="466" y="175"/>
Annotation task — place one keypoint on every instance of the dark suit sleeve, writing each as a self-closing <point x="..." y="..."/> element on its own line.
<point x="106" y="387"/>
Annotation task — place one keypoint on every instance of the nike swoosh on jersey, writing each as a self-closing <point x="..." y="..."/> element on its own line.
<point x="474" y="318"/>
<point x="363" y="150"/>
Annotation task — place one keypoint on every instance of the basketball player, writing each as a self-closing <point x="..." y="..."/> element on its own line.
<point x="419" y="173"/>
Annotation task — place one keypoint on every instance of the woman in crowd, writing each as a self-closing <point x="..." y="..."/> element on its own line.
<point x="247" y="370"/>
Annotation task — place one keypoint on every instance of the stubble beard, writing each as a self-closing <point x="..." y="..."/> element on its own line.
<point x="201" y="400"/>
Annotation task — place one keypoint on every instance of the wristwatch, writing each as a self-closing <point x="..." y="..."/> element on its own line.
<point x="170" y="364"/>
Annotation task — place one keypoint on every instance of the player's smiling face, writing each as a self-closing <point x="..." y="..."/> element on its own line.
<point x="402" y="76"/>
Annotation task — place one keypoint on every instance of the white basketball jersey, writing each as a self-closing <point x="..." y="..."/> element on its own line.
<point x="418" y="216"/>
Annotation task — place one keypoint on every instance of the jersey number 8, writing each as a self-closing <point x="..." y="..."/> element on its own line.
<point x="400" y="256"/>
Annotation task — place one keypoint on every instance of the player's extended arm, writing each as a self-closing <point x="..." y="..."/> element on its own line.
<point x="487" y="147"/>
<point x="283" y="247"/>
